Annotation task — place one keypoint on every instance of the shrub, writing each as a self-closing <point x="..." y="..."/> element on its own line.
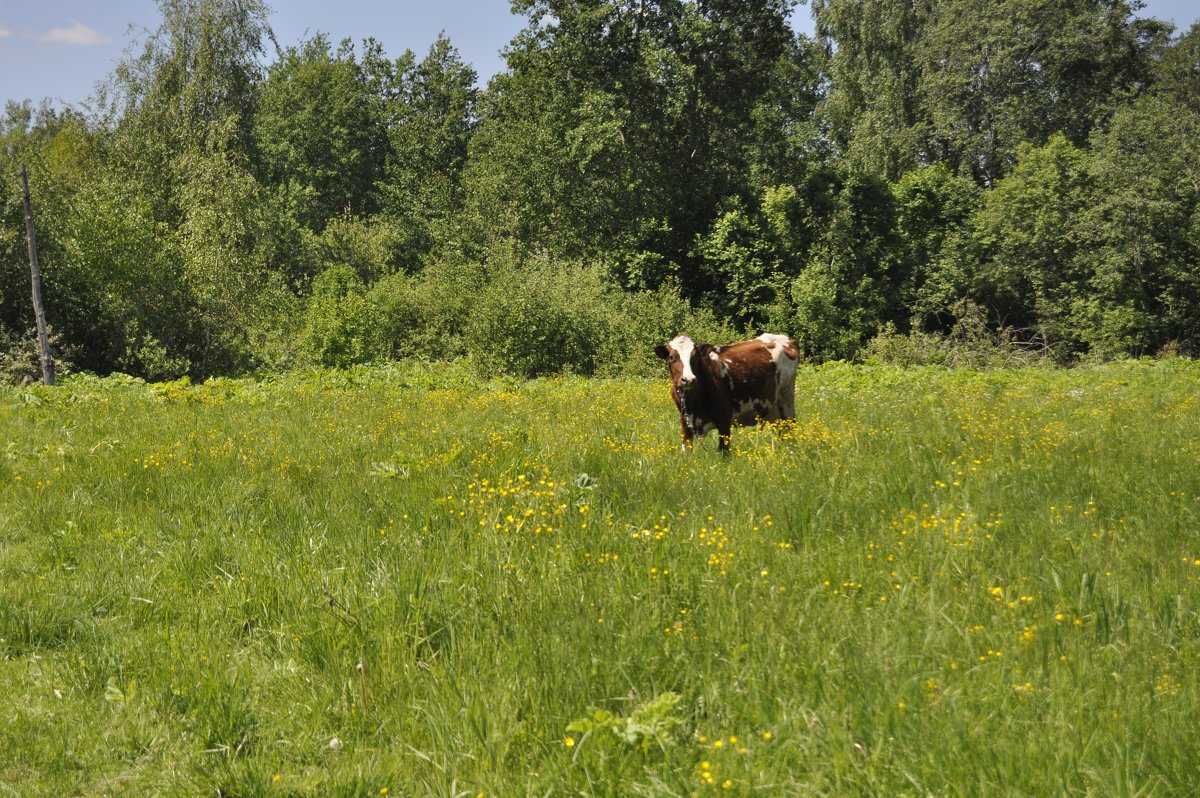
<point x="525" y="319"/>
<point x="341" y="327"/>
<point x="369" y="246"/>
<point x="274" y="327"/>
<point x="972" y="343"/>
<point x="21" y="359"/>
<point x="535" y="318"/>
<point x="425" y="315"/>
<point x="642" y="320"/>
<point x="147" y="356"/>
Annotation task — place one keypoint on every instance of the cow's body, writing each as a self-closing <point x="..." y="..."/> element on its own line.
<point x="715" y="387"/>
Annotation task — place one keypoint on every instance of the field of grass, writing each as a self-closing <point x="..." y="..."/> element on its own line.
<point x="404" y="581"/>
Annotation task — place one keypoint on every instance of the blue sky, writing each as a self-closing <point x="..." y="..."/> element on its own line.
<point x="60" y="49"/>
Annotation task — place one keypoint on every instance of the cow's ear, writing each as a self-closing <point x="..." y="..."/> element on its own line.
<point x="662" y="352"/>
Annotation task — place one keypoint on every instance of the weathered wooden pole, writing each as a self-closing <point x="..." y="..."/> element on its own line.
<point x="38" y="310"/>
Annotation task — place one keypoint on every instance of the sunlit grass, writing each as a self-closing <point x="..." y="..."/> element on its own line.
<point x="932" y="583"/>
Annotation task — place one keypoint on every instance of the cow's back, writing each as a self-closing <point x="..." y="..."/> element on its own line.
<point x="758" y="376"/>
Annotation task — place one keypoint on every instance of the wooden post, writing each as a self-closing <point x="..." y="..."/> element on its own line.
<point x="38" y="311"/>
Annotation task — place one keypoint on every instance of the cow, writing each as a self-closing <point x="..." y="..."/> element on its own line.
<point x="715" y="387"/>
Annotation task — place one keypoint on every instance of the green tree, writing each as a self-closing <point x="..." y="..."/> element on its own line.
<point x="198" y="70"/>
<point x="996" y="75"/>
<point x="785" y="138"/>
<point x="933" y="210"/>
<point x="57" y="149"/>
<point x="219" y="237"/>
<point x="561" y="159"/>
<point x="182" y="123"/>
<point x="341" y="326"/>
<point x="431" y="118"/>
<point x="874" y="105"/>
<point x="621" y="128"/>
<point x="849" y="281"/>
<point x="132" y="311"/>
<point x="112" y="280"/>
<point x="1177" y="72"/>
<point x="739" y="263"/>
<point x="966" y="82"/>
<point x="1029" y="266"/>
<point x="1143" y="230"/>
<point x="316" y="132"/>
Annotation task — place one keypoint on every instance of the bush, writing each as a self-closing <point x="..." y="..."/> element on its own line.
<point x="274" y="327"/>
<point x="535" y="318"/>
<point x="369" y="246"/>
<point x="525" y="319"/>
<point x="341" y="327"/>
<point x="145" y="355"/>
<point x="21" y="358"/>
<point x="971" y="344"/>
<point x="640" y="321"/>
<point x="426" y="315"/>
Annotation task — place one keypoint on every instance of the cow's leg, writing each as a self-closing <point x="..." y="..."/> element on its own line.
<point x="687" y="432"/>
<point x="724" y="433"/>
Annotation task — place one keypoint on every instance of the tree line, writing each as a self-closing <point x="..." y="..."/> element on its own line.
<point x="1025" y="169"/>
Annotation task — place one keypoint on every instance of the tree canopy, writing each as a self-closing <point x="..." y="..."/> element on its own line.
<point x="639" y="166"/>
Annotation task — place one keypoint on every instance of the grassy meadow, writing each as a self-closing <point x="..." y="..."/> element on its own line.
<point x="405" y="581"/>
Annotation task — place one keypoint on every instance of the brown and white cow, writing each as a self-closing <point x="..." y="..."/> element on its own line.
<point x="715" y="387"/>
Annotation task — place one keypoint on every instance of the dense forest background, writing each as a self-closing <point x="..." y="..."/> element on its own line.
<point x="920" y="175"/>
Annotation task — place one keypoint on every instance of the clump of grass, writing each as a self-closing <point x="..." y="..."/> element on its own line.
<point x="411" y="580"/>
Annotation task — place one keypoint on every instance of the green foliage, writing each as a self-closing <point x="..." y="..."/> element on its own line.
<point x="536" y="318"/>
<point x="1090" y="248"/>
<point x="1143" y="291"/>
<point x="967" y="82"/>
<point x="1176" y="74"/>
<point x="973" y="342"/>
<point x="999" y="75"/>
<point x="368" y="245"/>
<point x="853" y="273"/>
<point x="717" y="173"/>
<point x="667" y="107"/>
<point x="341" y="326"/>
<point x="933" y="207"/>
<point x="431" y="121"/>
<point x="739" y="262"/>
<point x="873" y="105"/>
<point x="139" y="314"/>
<point x="218" y="237"/>
<point x="21" y="357"/>
<point x="641" y="320"/>
<point x="1034" y="266"/>
<point x="317" y="133"/>
<point x="650" y="725"/>
<point x="521" y="319"/>
<point x="198" y="70"/>
<point x="426" y="315"/>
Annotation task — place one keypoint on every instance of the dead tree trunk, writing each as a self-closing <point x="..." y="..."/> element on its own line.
<point x="38" y="310"/>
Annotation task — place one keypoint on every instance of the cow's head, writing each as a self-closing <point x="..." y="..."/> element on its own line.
<point x="681" y="355"/>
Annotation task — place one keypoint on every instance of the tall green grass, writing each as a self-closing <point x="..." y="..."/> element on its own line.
<point x="402" y="580"/>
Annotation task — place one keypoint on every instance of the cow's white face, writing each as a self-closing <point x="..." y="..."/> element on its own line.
<point x="679" y="354"/>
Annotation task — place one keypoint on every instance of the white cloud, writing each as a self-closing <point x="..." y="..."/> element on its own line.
<point x="77" y="35"/>
<point x="5" y="33"/>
